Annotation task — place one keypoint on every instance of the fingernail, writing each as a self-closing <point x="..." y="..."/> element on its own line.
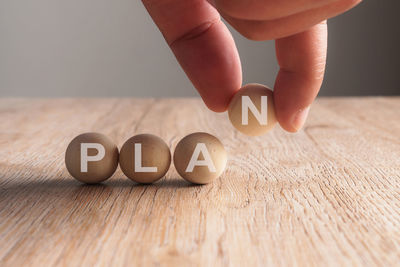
<point x="300" y="118"/>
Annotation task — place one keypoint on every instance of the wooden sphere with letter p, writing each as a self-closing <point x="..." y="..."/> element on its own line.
<point x="200" y="158"/>
<point x="252" y="110"/>
<point x="91" y="158"/>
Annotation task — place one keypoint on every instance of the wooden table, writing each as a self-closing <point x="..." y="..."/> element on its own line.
<point x="326" y="196"/>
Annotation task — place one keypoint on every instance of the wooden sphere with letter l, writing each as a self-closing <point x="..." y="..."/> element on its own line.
<point x="91" y="158"/>
<point x="200" y="158"/>
<point x="145" y="158"/>
<point x="252" y="110"/>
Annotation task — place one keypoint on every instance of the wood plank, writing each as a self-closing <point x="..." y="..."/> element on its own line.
<point x="328" y="195"/>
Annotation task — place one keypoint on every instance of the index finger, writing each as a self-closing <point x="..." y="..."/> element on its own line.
<point x="202" y="45"/>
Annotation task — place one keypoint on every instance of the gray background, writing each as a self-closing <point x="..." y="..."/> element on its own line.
<point x="112" y="48"/>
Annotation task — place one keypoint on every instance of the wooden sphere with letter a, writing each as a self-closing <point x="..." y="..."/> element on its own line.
<point x="200" y="158"/>
<point x="252" y="110"/>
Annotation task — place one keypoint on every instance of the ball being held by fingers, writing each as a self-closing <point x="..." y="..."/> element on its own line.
<point x="252" y="110"/>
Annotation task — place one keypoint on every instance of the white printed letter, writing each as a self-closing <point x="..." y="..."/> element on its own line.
<point x="138" y="161"/>
<point x="194" y="161"/>
<point x="260" y="116"/>
<point x="85" y="158"/>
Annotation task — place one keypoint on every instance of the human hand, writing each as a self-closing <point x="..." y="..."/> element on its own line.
<point x="207" y="53"/>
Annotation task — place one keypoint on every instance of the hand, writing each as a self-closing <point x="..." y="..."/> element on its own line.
<point x="207" y="53"/>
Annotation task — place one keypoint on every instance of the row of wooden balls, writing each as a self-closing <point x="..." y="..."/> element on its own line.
<point x="145" y="158"/>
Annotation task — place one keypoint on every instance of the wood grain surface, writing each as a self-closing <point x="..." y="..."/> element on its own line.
<point x="328" y="195"/>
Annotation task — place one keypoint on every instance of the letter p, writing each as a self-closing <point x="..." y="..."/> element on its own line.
<point x="85" y="158"/>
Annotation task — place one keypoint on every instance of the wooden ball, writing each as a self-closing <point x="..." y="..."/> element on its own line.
<point x="200" y="158"/>
<point x="91" y="158"/>
<point x="252" y="110"/>
<point x="145" y="158"/>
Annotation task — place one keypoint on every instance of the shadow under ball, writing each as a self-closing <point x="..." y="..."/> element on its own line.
<point x="154" y="153"/>
<point x="97" y="170"/>
<point x="185" y="152"/>
<point x="253" y="128"/>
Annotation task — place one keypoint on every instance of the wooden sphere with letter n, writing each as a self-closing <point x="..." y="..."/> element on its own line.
<point x="200" y="158"/>
<point x="252" y="110"/>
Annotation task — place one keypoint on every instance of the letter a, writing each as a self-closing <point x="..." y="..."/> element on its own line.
<point x="247" y="105"/>
<point x="194" y="161"/>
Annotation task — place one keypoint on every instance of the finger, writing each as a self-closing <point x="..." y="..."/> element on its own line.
<point x="279" y="28"/>
<point x="203" y="46"/>
<point x="302" y="59"/>
<point x="266" y="9"/>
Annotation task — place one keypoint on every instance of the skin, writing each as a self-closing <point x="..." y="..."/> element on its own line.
<point x="207" y="52"/>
